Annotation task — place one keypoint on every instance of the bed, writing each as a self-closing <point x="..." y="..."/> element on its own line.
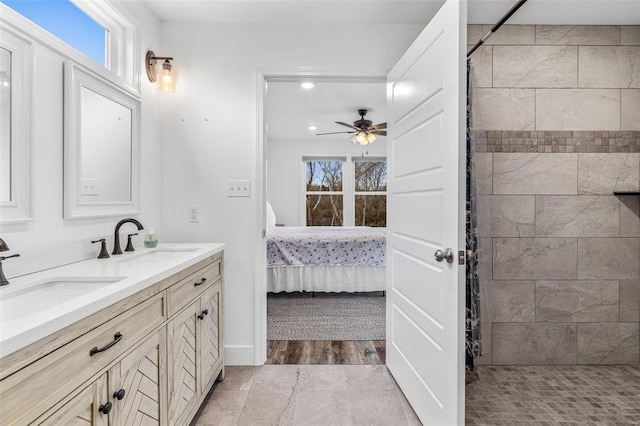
<point x="326" y="259"/>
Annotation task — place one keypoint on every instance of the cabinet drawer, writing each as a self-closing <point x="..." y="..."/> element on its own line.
<point x="187" y="289"/>
<point x="30" y="391"/>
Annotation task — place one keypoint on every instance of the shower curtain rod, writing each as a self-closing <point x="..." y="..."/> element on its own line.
<point x="493" y="29"/>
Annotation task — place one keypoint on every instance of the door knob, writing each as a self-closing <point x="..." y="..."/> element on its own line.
<point x="446" y="254"/>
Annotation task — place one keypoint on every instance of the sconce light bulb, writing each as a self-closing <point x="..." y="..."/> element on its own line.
<point x="167" y="79"/>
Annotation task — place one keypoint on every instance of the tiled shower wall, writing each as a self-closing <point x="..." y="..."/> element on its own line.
<point x="558" y="108"/>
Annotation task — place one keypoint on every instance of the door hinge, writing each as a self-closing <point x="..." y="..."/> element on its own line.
<point x="264" y="233"/>
<point x="462" y="257"/>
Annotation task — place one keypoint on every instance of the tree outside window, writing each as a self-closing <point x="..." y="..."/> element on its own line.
<point x="324" y="196"/>
<point x="370" y="189"/>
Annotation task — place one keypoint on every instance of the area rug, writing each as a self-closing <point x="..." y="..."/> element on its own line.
<point x="327" y="316"/>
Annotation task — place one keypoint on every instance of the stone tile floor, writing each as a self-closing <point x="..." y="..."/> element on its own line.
<point x="554" y="395"/>
<point x="332" y="395"/>
<point x="327" y="395"/>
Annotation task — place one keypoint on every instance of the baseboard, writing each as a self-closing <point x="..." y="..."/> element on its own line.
<point x="239" y="355"/>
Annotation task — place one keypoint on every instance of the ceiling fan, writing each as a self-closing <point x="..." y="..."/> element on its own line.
<point x="365" y="131"/>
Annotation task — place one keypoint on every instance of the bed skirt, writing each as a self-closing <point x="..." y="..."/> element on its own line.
<point x="326" y="278"/>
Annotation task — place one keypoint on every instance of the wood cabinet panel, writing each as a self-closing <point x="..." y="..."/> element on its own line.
<point x="139" y="380"/>
<point x="82" y="409"/>
<point x="210" y="342"/>
<point x="181" y="337"/>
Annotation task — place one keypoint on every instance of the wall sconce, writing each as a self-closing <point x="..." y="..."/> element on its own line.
<point x="167" y="79"/>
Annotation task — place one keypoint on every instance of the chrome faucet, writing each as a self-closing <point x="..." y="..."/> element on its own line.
<point x="4" y="247"/>
<point x="116" y="237"/>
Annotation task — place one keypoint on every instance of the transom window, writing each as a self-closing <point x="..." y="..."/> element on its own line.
<point x="64" y="20"/>
<point x="340" y="192"/>
<point x="101" y="31"/>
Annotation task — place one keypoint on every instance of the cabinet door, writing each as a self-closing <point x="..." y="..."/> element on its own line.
<point x="84" y="408"/>
<point x="138" y="380"/>
<point x="210" y="334"/>
<point x="181" y="337"/>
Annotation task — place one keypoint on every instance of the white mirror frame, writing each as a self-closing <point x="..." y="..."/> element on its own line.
<point x="18" y="209"/>
<point x="76" y="78"/>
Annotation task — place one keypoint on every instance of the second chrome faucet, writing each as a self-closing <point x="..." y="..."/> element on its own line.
<point x="116" y="236"/>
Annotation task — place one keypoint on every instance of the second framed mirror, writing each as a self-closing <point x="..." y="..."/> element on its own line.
<point x="102" y="145"/>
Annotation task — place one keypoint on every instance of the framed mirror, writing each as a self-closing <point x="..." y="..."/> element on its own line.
<point x="102" y="145"/>
<point x="15" y="123"/>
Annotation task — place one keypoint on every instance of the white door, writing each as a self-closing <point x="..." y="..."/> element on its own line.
<point x="426" y="161"/>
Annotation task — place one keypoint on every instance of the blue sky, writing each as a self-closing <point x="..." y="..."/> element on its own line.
<point x="64" y="20"/>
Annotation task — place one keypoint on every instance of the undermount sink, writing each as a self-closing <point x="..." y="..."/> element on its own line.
<point x="156" y="256"/>
<point x="44" y="295"/>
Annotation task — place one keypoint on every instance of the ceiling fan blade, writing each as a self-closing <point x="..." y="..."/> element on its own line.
<point x="331" y="133"/>
<point x="380" y="126"/>
<point x="348" y="125"/>
<point x="380" y="132"/>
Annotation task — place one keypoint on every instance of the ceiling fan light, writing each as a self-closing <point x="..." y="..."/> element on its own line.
<point x="371" y="137"/>
<point x="361" y="137"/>
<point x="354" y="139"/>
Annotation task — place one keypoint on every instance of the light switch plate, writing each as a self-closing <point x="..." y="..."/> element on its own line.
<point x="239" y="188"/>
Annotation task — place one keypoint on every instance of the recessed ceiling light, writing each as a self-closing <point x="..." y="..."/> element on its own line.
<point x="313" y="128"/>
<point x="307" y="85"/>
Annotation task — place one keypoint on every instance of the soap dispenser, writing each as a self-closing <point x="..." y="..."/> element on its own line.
<point x="151" y="240"/>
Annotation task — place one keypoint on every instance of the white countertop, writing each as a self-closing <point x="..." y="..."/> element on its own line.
<point x="133" y="272"/>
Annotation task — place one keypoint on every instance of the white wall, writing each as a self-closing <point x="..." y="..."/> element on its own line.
<point x="49" y="240"/>
<point x="209" y="133"/>
<point x="284" y="170"/>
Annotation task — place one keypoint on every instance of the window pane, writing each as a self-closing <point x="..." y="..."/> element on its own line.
<point x="371" y="210"/>
<point x="324" y="176"/>
<point x="370" y="175"/>
<point x="65" y="21"/>
<point x="324" y="210"/>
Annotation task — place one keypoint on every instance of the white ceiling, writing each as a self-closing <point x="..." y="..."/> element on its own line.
<point x="575" y="12"/>
<point x="290" y="109"/>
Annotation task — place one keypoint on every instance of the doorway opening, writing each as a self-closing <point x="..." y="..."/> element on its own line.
<point x="325" y="198"/>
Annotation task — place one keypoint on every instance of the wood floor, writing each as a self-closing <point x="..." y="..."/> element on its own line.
<point x="307" y="352"/>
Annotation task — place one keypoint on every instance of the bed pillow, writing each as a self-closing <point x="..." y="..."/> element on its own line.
<point x="271" y="217"/>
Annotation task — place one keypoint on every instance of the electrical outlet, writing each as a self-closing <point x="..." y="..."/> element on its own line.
<point x="194" y="213"/>
<point x="239" y="188"/>
<point x="89" y="187"/>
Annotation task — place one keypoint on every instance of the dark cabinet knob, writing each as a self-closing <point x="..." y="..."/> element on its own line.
<point x="205" y="312"/>
<point x="119" y="394"/>
<point x="105" y="408"/>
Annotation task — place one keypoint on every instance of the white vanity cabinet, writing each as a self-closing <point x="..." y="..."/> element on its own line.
<point x="119" y="366"/>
